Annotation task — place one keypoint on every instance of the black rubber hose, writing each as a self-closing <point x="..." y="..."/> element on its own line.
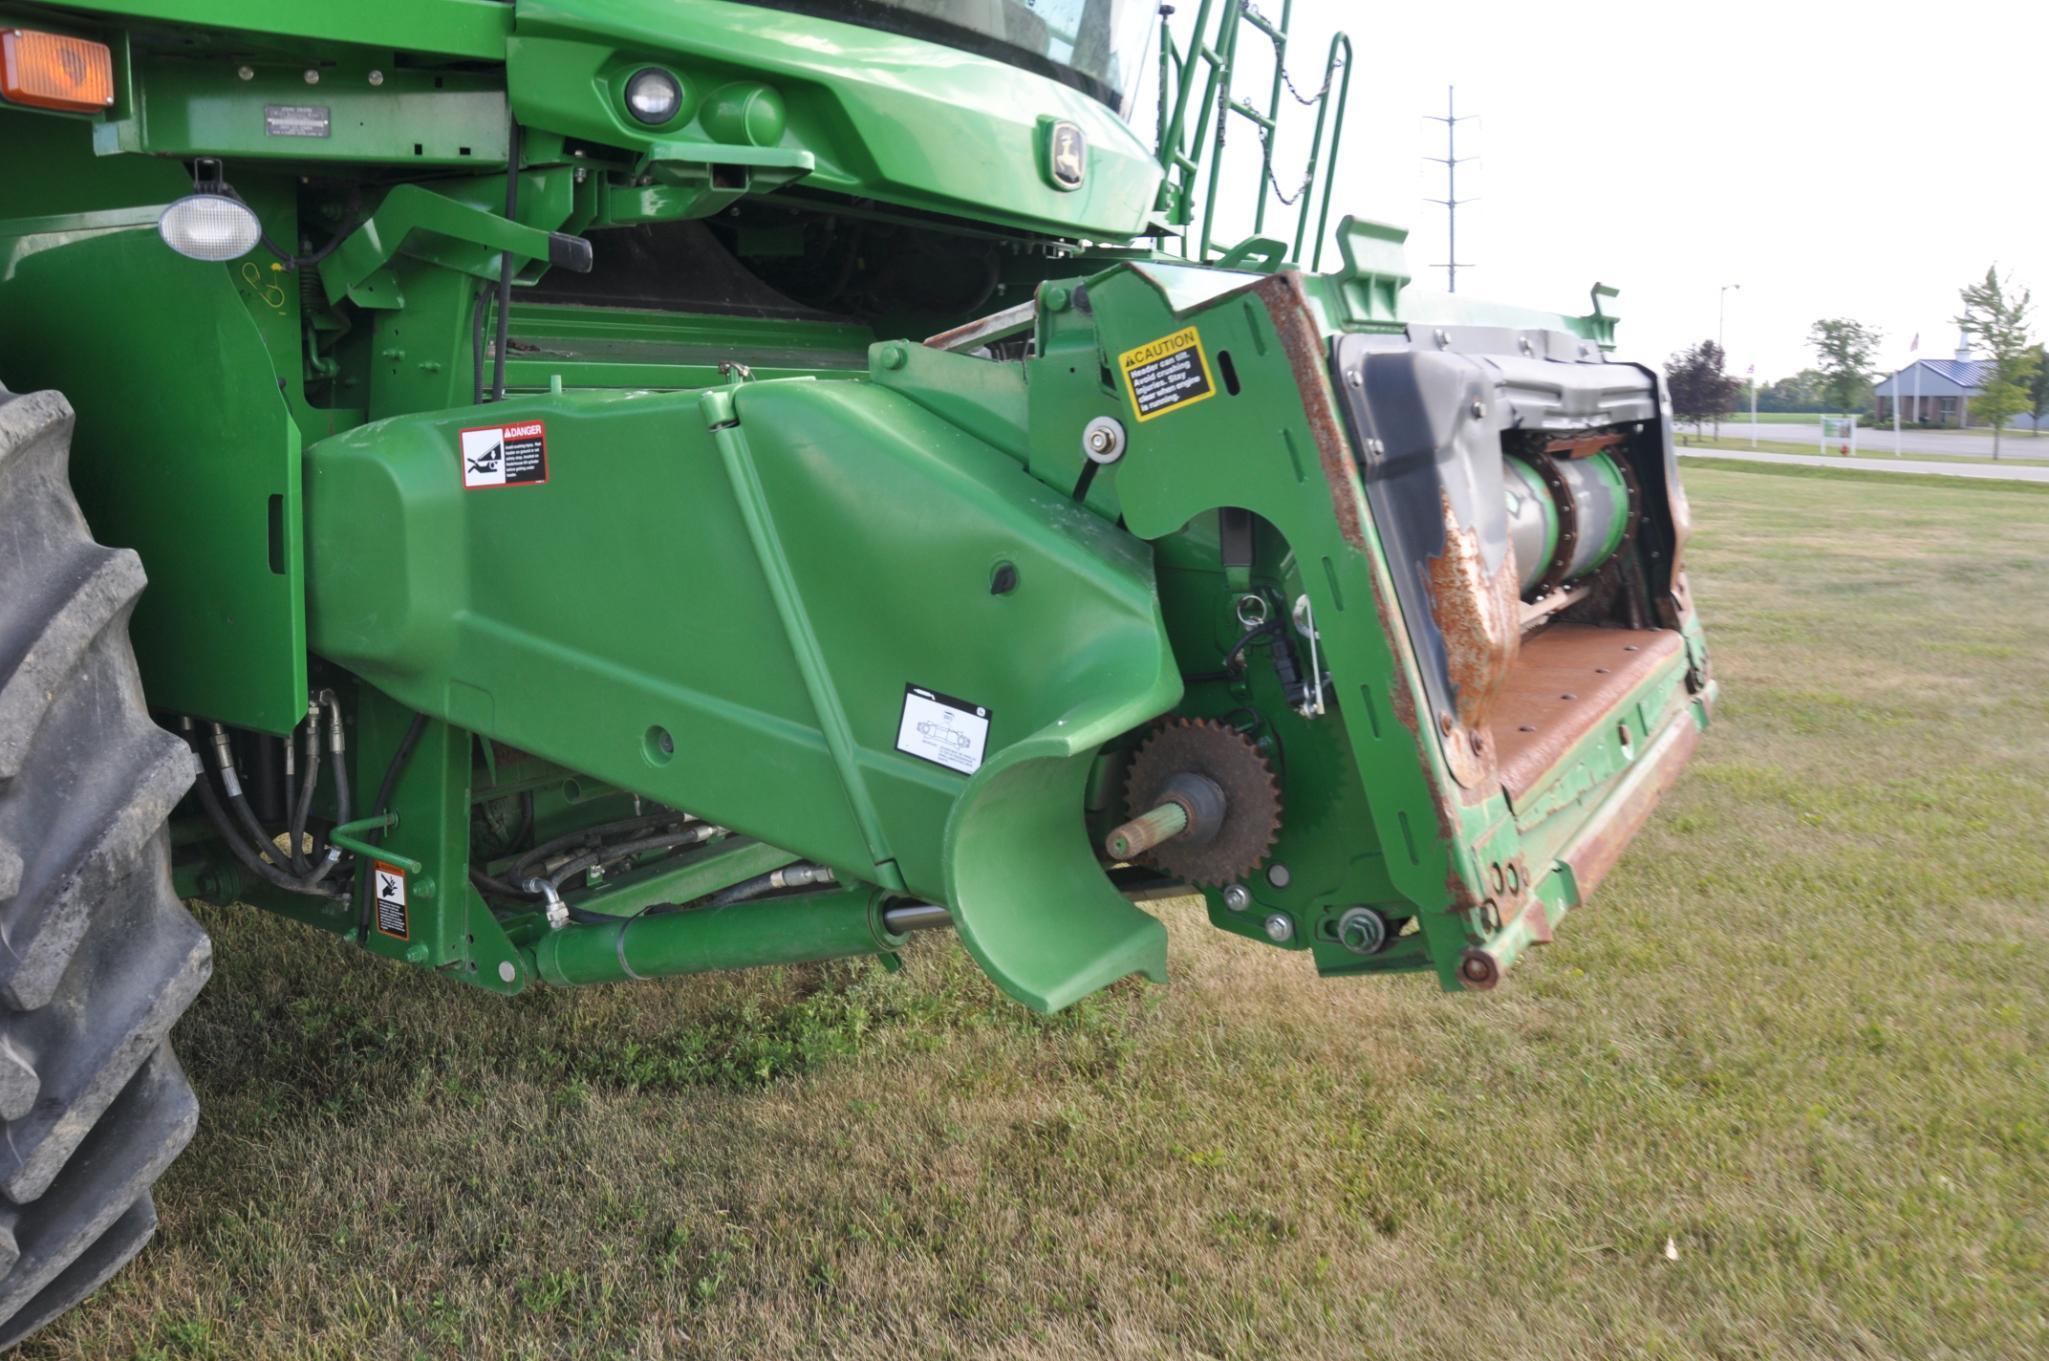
<point x="687" y="836"/>
<point x="477" y="347"/>
<point x="210" y="803"/>
<point x="505" y="264"/>
<point x="307" y="782"/>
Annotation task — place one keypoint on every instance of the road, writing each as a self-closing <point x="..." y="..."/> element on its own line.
<point x="2005" y="472"/>
<point x="1878" y="439"/>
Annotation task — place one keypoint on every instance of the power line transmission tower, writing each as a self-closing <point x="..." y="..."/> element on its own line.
<point x="1451" y="161"/>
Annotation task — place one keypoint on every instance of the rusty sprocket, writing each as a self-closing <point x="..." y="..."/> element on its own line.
<point x="1252" y="798"/>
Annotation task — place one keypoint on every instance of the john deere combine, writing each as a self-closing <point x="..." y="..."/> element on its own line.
<point x="632" y="487"/>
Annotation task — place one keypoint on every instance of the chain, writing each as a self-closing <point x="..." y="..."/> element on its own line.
<point x="1288" y="80"/>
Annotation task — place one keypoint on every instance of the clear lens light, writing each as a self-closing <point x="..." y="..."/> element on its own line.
<point x="653" y="96"/>
<point x="209" y="227"/>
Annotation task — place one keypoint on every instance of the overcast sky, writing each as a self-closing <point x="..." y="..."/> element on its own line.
<point x="1835" y="160"/>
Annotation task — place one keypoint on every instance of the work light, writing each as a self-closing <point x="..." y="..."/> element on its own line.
<point x="209" y="227"/>
<point x="653" y="95"/>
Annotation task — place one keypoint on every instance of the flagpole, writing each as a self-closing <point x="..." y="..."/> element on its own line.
<point x="1753" y="406"/>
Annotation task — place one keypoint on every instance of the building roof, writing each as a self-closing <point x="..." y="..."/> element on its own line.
<point x="1970" y="373"/>
<point x="1939" y="378"/>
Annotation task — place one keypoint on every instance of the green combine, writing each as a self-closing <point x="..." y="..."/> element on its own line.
<point x="571" y="491"/>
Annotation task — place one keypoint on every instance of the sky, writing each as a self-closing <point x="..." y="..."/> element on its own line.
<point x="1860" y="161"/>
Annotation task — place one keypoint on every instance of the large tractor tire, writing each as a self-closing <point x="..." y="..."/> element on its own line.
<point x="97" y="955"/>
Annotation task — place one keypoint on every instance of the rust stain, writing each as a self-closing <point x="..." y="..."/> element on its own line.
<point x="1584" y="446"/>
<point x="1302" y="341"/>
<point x="1479" y="614"/>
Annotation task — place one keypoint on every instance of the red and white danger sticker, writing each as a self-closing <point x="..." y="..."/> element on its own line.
<point x="505" y="455"/>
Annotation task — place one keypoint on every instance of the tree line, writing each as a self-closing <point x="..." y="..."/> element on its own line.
<point x="1995" y="315"/>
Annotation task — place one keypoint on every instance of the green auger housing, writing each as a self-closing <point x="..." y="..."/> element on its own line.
<point x="634" y="487"/>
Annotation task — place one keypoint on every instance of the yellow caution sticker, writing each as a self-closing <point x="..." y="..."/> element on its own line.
<point x="1167" y="374"/>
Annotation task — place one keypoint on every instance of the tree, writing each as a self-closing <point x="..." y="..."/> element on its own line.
<point x="1845" y="348"/>
<point x="2000" y="323"/>
<point x="1700" y="391"/>
<point x="1801" y="392"/>
<point x="2038" y="391"/>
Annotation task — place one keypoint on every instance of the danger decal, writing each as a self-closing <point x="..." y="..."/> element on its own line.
<point x="1168" y="374"/>
<point x="505" y="455"/>
<point x="388" y="883"/>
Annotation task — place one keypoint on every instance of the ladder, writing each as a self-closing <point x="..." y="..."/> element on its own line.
<point x="1212" y="54"/>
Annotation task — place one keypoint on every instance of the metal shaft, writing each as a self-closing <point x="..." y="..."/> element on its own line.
<point x="1146" y="831"/>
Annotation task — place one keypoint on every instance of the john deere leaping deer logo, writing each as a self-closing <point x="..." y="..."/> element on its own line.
<point x="1066" y="155"/>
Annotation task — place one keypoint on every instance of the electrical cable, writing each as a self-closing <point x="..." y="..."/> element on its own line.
<point x="505" y="267"/>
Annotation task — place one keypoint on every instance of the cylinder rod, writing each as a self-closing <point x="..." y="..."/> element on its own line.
<point x="1146" y="831"/>
<point x="742" y="935"/>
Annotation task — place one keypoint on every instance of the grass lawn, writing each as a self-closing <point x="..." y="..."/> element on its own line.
<point x="1802" y="1037"/>
<point x="1870" y="447"/>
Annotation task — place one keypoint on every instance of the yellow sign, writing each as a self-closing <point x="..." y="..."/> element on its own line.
<point x="1167" y="374"/>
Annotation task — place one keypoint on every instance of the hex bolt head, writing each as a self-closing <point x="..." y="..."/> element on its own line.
<point x="1280" y="928"/>
<point x="1237" y="897"/>
<point x="892" y="356"/>
<point x="245" y="73"/>
<point x="377" y="77"/>
<point x="1479" y="409"/>
<point x="312" y="76"/>
<point x="1102" y="439"/>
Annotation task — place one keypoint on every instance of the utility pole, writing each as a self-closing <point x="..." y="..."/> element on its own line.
<point x="1722" y="344"/>
<point x="1451" y="161"/>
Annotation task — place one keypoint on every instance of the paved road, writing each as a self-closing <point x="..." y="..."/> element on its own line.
<point x="1878" y="439"/>
<point x="2005" y="472"/>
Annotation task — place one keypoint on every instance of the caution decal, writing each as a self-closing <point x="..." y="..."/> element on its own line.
<point x="1168" y="374"/>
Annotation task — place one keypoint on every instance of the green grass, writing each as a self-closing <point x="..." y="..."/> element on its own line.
<point x="1802" y="1035"/>
<point x="1871" y="447"/>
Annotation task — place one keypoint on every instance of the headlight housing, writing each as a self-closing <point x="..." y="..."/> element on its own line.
<point x="210" y="227"/>
<point x="653" y="96"/>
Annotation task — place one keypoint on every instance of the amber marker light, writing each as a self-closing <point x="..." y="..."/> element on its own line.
<point x="50" y="71"/>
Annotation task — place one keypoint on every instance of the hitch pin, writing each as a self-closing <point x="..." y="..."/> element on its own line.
<point x="1305" y="624"/>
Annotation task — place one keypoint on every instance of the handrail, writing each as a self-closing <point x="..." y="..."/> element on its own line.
<point x="1184" y="157"/>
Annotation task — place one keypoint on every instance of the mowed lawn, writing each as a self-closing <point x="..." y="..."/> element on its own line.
<point x="1802" y="1038"/>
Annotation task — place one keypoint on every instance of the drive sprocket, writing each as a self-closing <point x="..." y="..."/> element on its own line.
<point x="1252" y="798"/>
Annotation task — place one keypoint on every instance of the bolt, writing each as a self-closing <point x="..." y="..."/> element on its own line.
<point x="1237" y="897"/>
<point x="1055" y="299"/>
<point x="1278" y="876"/>
<point x="416" y="953"/>
<point x="377" y="77"/>
<point x="1479" y="409"/>
<point x="245" y="73"/>
<point x="1527" y="347"/>
<point x="506" y="973"/>
<point x="1280" y="928"/>
<point x="1099" y="440"/>
<point x="312" y="76"/>
<point x="892" y="356"/>
<point x="1443" y="340"/>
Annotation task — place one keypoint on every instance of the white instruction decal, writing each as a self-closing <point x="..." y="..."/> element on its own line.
<point x="946" y="731"/>
<point x="389" y="884"/>
<point x="505" y="455"/>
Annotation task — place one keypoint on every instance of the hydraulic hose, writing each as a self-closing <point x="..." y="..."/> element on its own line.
<point x="300" y="809"/>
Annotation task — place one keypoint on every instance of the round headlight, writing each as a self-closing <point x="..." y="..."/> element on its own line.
<point x="653" y="95"/>
<point x="209" y="227"/>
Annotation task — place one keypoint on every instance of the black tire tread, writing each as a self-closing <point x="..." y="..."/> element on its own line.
<point x="98" y="958"/>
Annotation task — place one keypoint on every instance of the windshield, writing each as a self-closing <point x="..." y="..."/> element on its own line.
<point x="1096" y="46"/>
